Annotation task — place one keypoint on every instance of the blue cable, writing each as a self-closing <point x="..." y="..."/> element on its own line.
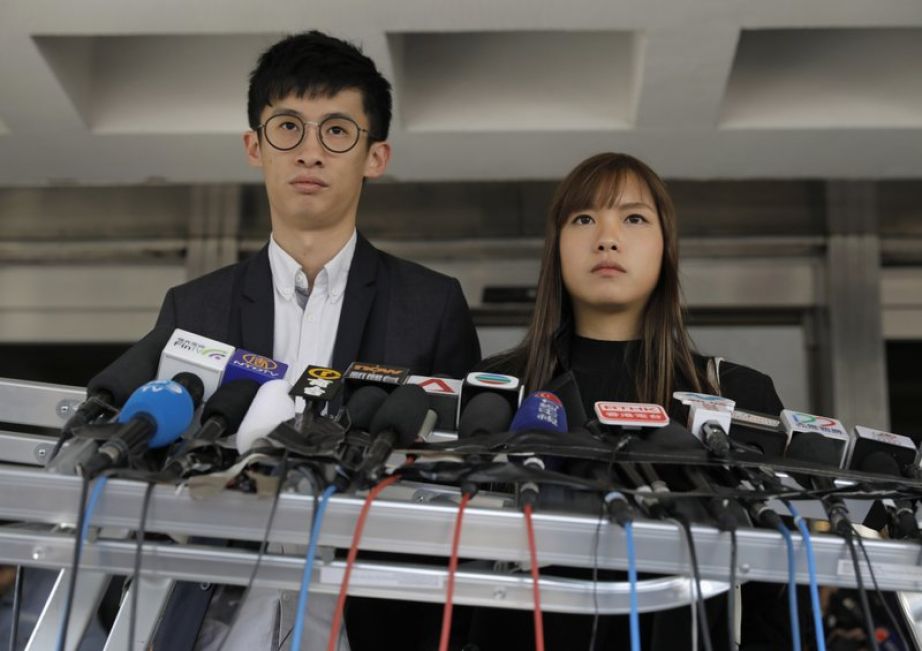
<point x="81" y="538"/>
<point x="811" y="568"/>
<point x="792" y="585"/>
<point x="632" y="577"/>
<point x="309" y="567"/>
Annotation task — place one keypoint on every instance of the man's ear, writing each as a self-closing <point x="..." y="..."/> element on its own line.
<point x="253" y="149"/>
<point x="379" y="155"/>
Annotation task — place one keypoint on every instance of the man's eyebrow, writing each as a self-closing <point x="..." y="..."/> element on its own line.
<point x="297" y="113"/>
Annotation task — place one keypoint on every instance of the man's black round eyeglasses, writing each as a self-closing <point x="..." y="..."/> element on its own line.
<point x="337" y="134"/>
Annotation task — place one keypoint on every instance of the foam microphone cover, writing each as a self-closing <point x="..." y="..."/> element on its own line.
<point x="486" y="413"/>
<point x="673" y="437"/>
<point x="230" y="403"/>
<point x="402" y="413"/>
<point x="271" y="406"/>
<point x="364" y="404"/>
<point x="133" y="368"/>
<point x="541" y="410"/>
<point x="166" y="403"/>
<point x="881" y="463"/>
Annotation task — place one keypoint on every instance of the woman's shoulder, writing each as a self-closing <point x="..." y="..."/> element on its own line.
<point x="750" y="388"/>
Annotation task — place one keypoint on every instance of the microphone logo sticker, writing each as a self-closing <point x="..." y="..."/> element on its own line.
<point x="322" y="373"/>
<point x="260" y="362"/>
<point x="493" y="380"/>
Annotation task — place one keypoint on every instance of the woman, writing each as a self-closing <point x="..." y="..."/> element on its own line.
<point x="608" y="309"/>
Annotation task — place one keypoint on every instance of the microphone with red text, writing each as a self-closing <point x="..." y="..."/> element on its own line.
<point x="444" y="394"/>
<point x="540" y="411"/>
<point x="885" y="453"/>
<point x="153" y="416"/>
<point x="403" y="417"/>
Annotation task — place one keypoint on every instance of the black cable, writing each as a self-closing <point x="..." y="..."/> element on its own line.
<point x="731" y="595"/>
<point x="862" y="594"/>
<point x="136" y="573"/>
<point x="894" y="622"/>
<point x="699" y="598"/>
<point x="75" y="563"/>
<point x="283" y="472"/>
<point x="17" y="607"/>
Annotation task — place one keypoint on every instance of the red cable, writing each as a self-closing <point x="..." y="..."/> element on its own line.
<point x="539" y="622"/>
<point x="350" y="559"/>
<point x="452" y="568"/>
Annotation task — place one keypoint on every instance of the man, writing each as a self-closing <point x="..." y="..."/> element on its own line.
<point x="318" y="292"/>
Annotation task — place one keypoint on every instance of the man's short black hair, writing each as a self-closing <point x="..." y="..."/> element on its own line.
<point x="318" y="65"/>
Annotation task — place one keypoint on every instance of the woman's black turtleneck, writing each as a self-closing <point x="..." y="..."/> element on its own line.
<point x="604" y="370"/>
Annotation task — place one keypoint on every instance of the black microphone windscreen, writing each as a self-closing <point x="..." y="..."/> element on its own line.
<point x="133" y="368"/>
<point x="815" y="448"/>
<point x="364" y="404"/>
<point x="673" y="437"/>
<point x="403" y="413"/>
<point x="881" y="463"/>
<point x="486" y="413"/>
<point x="193" y="384"/>
<point x="230" y="402"/>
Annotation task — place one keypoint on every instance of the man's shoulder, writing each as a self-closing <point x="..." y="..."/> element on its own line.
<point x="407" y="271"/>
<point x="216" y="281"/>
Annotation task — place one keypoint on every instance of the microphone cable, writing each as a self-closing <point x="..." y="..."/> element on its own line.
<point x="298" y="630"/>
<point x="535" y="576"/>
<point x="811" y="570"/>
<point x="862" y="594"/>
<point x="452" y="568"/>
<point x="17" y="608"/>
<point x="85" y="514"/>
<point x="793" y="611"/>
<point x="136" y="574"/>
<point x="632" y="579"/>
<point x="698" y="598"/>
<point x="880" y="595"/>
<point x="353" y="553"/>
<point x="731" y="593"/>
<point x="283" y="472"/>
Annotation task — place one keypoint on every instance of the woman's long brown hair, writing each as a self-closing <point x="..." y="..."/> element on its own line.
<point x="666" y="350"/>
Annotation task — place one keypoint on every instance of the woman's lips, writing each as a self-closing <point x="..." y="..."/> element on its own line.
<point x="608" y="269"/>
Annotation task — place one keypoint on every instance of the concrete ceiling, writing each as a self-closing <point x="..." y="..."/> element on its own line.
<point x="132" y="91"/>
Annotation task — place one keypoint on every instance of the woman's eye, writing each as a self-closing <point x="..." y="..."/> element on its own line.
<point x="635" y="219"/>
<point x="582" y="219"/>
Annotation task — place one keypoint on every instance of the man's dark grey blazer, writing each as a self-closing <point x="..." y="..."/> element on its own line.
<point x="394" y="312"/>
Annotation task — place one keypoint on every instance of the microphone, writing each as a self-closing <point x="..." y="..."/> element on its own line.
<point x="506" y="386"/>
<point x="709" y="420"/>
<point x="819" y="449"/>
<point x="565" y="387"/>
<point x="187" y="351"/>
<point x="486" y="413"/>
<point x="222" y="414"/>
<point x="444" y="394"/>
<point x="318" y="386"/>
<point x="797" y="423"/>
<point x="112" y="386"/>
<point x="363" y="405"/>
<point x="155" y="415"/>
<point x="246" y="365"/>
<point x="271" y="406"/>
<point x="903" y="511"/>
<point x="760" y="431"/>
<point x="542" y="411"/>
<point x="402" y="418"/>
<point x="630" y="415"/>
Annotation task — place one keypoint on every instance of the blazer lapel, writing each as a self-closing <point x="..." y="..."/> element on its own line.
<point x="257" y="306"/>
<point x="357" y="302"/>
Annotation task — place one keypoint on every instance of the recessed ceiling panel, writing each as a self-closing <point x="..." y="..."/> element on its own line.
<point x="826" y="78"/>
<point x="516" y="81"/>
<point x="157" y="84"/>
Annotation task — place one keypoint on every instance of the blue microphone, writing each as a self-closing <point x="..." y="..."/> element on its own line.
<point x="154" y="416"/>
<point x="541" y="411"/>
